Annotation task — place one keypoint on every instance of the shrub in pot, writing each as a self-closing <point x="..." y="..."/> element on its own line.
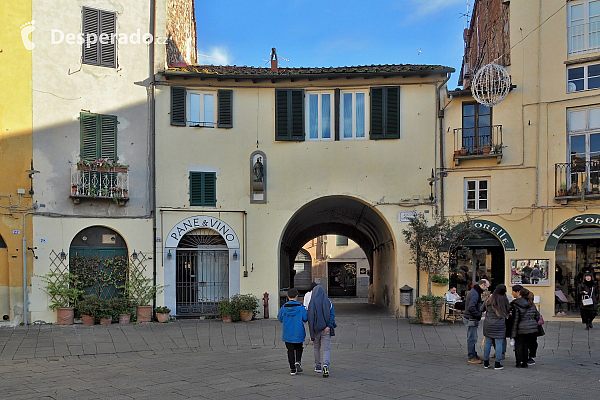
<point x="140" y="290"/>
<point x="225" y="310"/>
<point x="162" y="313"/>
<point x="63" y="292"/>
<point x="88" y="307"/>
<point x="122" y="309"/>
<point x="244" y="306"/>
<point x="105" y="312"/>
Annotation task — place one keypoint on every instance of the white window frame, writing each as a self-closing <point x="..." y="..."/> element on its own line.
<point x="582" y="29"/>
<point x="319" y="137"/>
<point x="477" y="191"/>
<point x="586" y="78"/>
<point x="366" y="114"/>
<point x="201" y="111"/>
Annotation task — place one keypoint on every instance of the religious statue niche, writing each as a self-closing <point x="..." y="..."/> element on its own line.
<point x="258" y="177"/>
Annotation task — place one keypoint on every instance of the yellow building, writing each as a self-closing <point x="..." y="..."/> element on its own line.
<point x="16" y="202"/>
<point x="528" y="168"/>
<point x="254" y="162"/>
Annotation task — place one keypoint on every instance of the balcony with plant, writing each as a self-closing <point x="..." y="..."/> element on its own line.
<point x="576" y="180"/>
<point x="99" y="180"/>
<point x="477" y="143"/>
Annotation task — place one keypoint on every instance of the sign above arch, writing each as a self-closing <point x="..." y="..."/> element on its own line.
<point x="569" y="225"/>
<point x="198" y="222"/>
<point x="501" y="234"/>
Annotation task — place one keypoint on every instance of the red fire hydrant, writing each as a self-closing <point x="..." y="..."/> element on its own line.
<point x="266" y="305"/>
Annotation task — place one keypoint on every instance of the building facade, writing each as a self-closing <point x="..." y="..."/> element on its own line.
<point x="526" y="169"/>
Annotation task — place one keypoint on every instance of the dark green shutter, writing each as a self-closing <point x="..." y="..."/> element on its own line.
<point x="225" y="111"/>
<point x="289" y="114"/>
<point x="98" y="22"/>
<point x="108" y="137"/>
<point x="88" y="131"/>
<point x="98" y="136"/>
<point x="385" y="113"/>
<point x="178" y="99"/>
<point x="203" y="189"/>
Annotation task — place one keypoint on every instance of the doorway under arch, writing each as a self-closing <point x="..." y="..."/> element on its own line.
<point x="354" y="219"/>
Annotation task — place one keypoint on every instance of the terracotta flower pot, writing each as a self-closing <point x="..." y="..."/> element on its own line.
<point x="246" y="316"/>
<point x="88" y="320"/>
<point x="162" y="317"/>
<point x="65" y="316"/>
<point x="105" y="321"/>
<point x="144" y="313"/>
<point x="124" y="319"/>
<point x="429" y="316"/>
<point x="226" y="317"/>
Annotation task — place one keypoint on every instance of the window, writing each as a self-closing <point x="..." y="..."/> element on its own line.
<point x="353" y="115"/>
<point x="319" y="116"/>
<point x="476" y="198"/>
<point x="476" y="127"/>
<point x="197" y="108"/>
<point x="583" y="26"/>
<point x="203" y="189"/>
<point x="98" y="136"/>
<point x="289" y="114"/>
<point x="583" y="78"/>
<point x="99" y="30"/>
<point x="584" y="146"/>
<point x="385" y="113"/>
<point x="341" y="240"/>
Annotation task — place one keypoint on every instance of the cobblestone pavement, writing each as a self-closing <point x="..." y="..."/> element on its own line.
<point x="374" y="356"/>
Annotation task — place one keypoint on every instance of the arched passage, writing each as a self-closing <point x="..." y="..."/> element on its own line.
<point x="350" y="217"/>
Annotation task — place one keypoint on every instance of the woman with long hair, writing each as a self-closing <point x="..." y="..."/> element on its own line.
<point x="494" y="325"/>
<point x="588" y="289"/>
<point x="525" y="325"/>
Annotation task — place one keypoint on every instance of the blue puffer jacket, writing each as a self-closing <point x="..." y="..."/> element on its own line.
<point x="293" y="315"/>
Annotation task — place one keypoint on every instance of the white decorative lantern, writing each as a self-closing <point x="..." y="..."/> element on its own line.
<point x="490" y="84"/>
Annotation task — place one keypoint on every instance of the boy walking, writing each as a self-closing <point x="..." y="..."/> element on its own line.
<point x="321" y="325"/>
<point x="293" y="315"/>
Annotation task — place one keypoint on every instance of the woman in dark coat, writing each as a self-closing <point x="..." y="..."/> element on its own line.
<point x="588" y="288"/>
<point x="494" y="325"/>
<point x="524" y="327"/>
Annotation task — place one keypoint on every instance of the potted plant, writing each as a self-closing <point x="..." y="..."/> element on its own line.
<point x="225" y="309"/>
<point x="123" y="309"/>
<point x="105" y="312"/>
<point x="87" y="307"/>
<point x="162" y="313"/>
<point x="563" y="190"/>
<point x="63" y="292"/>
<point x="463" y="151"/>
<point x="486" y="149"/>
<point x="244" y="306"/>
<point x="431" y="247"/>
<point x="439" y="280"/>
<point x="74" y="188"/>
<point x="141" y="291"/>
<point x="456" y="153"/>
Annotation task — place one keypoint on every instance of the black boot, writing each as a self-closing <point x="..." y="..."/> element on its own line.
<point x="590" y="324"/>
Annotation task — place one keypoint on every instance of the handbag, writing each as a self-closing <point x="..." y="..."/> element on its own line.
<point x="540" y="331"/>
<point x="541" y="320"/>
<point x="587" y="301"/>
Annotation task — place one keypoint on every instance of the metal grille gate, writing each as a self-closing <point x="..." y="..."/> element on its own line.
<point x="202" y="280"/>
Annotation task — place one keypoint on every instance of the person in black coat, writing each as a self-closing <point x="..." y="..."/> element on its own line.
<point x="496" y="308"/>
<point x="524" y="327"/>
<point x="588" y="288"/>
<point x="471" y="318"/>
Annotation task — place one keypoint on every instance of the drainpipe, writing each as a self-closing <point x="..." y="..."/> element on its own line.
<point x="25" y="305"/>
<point x="153" y="143"/>
<point x="441" y="130"/>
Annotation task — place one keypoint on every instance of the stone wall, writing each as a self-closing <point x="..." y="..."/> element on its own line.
<point x="181" y="32"/>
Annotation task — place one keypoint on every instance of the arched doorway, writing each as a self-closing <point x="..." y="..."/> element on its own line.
<point x="354" y="219"/>
<point x="303" y="270"/>
<point x="98" y="256"/>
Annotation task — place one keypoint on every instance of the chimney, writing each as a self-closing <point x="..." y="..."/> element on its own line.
<point x="274" y="60"/>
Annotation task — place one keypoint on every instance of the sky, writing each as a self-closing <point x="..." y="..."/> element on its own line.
<point x="332" y="33"/>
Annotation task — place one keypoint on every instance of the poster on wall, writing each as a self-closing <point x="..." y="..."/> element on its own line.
<point x="529" y="272"/>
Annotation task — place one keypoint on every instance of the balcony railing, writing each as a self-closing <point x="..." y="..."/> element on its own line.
<point x="577" y="178"/>
<point x="99" y="183"/>
<point x="584" y="38"/>
<point x="480" y="142"/>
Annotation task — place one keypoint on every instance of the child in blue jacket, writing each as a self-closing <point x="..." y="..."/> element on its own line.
<point x="293" y="315"/>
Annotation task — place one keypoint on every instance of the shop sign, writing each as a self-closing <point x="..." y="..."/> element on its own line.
<point x="198" y="222"/>
<point x="497" y="231"/>
<point x="569" y="225"/>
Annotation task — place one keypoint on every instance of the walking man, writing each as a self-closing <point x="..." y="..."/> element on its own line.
<point x="471" y="318"/>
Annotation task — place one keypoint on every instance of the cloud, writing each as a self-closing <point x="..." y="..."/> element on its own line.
<point x="425" y="8"/>
<point x="216" y="55"/>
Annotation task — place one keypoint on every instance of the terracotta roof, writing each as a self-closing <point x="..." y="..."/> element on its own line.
<point x="267" y="73"/>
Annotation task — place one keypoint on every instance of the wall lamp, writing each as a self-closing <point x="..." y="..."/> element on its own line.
<point x="62" y="255"/>
<point x="235" y="255"/>
<point x="134" y="255"/>
<point x="169" y="255"/>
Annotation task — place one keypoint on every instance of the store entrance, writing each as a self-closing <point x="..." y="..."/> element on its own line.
<point x="576" y="253"/>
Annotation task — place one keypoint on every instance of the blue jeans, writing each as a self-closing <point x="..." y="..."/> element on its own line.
<point x="471" y="339"/>
<point x="488" y="347"/>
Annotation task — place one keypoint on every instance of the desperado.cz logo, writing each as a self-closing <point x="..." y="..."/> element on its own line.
<point x="26" y="29"/>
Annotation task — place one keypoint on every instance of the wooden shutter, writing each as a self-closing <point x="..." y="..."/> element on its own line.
<point x="385" y="113"/>
<point x="90" y="26"/>
<point x="225" y="109"/>
<point x="108" y="137"/>
<point x="108" y="51"/>
<point x="88" y="131"/>
<point x="203" y="189"/>
<point x="178" y="99"/>
<point x="289" y="114"/>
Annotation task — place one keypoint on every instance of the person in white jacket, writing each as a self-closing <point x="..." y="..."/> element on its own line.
<point x="308" y="295"/>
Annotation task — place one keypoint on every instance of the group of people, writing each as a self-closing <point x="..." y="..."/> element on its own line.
<point x="519" y="320"/>
<point x="319" y="312"/>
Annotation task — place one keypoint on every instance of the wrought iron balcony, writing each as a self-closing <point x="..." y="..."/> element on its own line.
<point x="584" y="38"/>
<point x="99" y="184"/>
<point x="480" y="142"/>
<point x="577" y="179"/>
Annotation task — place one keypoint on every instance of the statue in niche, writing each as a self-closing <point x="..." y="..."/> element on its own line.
<point x="258" y="170"/>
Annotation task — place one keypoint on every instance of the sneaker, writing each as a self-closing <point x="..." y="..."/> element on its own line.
<point x="474" y="361"/>
<point x="497" y="365"/>
<point x="292" y="372"/>
<point x="531" y="361"/>
<point x="318" y="369"/>
<point x="486" y="364"/>
<point x="591" y="326"/>
<point x="298" y="367"/>
<point x="325" y="371"/>
<point x="524" y="365"/>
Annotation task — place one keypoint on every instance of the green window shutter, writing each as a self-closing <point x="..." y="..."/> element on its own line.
<point x="108" y="51"/>
<point x="90" y="26"/>
<point x="203" y="189"/>
<point x="385" y="113"/>
<point x="289" y="114"/>
<point x="225" y="109"/>
<point x="88" y="129"/>
<point x="178" y="99"/>
<point x="108" y="137"/>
